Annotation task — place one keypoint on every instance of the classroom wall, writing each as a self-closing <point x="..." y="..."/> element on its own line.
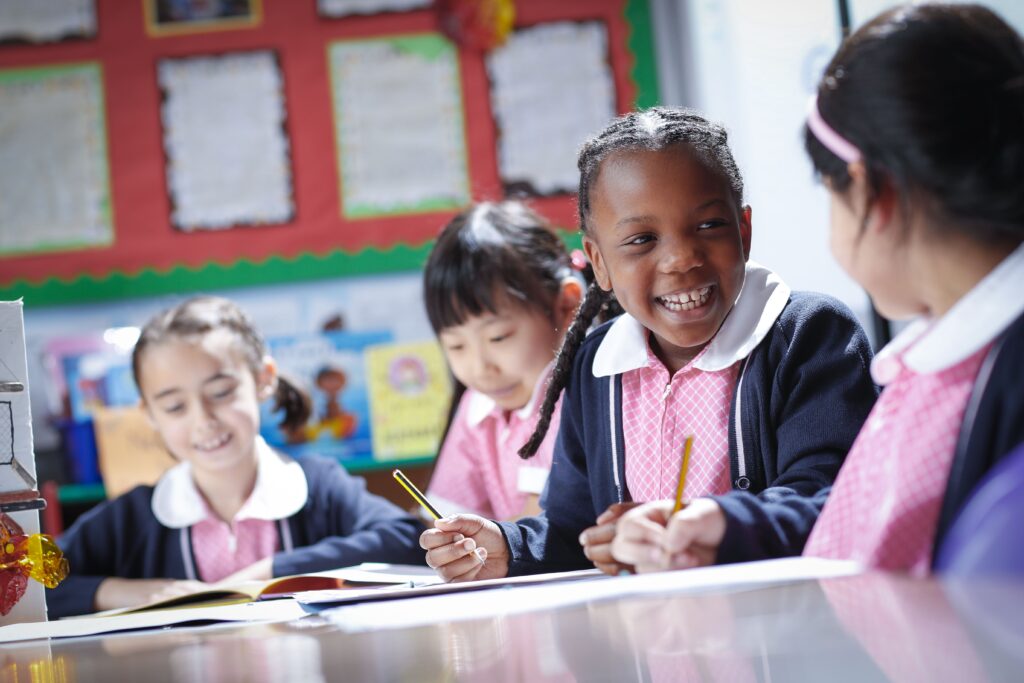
<point x="752" y="66"/>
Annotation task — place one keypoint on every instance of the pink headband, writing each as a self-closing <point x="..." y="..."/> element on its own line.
<point x="833" y="141"/>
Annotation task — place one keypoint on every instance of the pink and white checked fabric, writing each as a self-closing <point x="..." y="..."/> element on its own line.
<point x="221" y="549"/>
<point x="884" y="508"/>
<point x="659" y="412"/>
<point x="479" y="468"/>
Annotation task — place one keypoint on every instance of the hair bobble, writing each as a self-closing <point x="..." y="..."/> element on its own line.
<point x="578" y="260"/>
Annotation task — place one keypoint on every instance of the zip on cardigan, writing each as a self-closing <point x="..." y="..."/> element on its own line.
<point x="742" y="480"/>
<point x="614" y="428"/>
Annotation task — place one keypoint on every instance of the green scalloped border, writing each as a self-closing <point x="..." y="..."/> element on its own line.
<point x="307" y="266"/>
<point x="214" y="276"/>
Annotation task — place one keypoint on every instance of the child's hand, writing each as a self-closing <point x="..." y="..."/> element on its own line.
<point x="466" y="548"/>
<point x="597" y="540"/>
<point x="649" y="540"/>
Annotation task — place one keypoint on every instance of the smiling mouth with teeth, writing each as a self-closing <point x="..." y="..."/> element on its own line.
<point x="686" y="301"/>
<point x="214" y="443"/>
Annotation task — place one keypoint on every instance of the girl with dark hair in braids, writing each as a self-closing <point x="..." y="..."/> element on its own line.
<point x="917" y="131"/>
<point x="772" y="385"/>
<point x="233" y="509"/>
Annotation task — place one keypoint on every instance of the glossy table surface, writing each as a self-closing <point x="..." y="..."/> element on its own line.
<point x="862" y="628"/>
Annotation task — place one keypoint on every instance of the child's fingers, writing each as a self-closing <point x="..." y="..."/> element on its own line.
<point x="614" y="511"/>
<point x="467" y="525"/>
<point x="700" y="523"/>
<point x="597" y="535"/>
<point x="696" y="556"/>
<point x="465" y="568"/>
<point x="452" y="552"/>
<point x="435" y="538"/>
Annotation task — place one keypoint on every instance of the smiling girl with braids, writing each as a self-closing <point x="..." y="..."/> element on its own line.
<point x="773" y="385"/>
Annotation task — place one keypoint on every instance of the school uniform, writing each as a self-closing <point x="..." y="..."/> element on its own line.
<point x="309" y="514"/>
<point x="797" y="388"/>
<point x="952" y="406"/>
<point x="479" y="469"/>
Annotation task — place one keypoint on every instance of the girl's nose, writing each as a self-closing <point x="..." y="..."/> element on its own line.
<point x="680" y="256"/>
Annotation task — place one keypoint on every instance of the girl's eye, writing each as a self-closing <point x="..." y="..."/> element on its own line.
<point x="224" y="393"/>
<point x="707" y="225"/>
<point x="500" y="337"/>
<point x="174" y="409"/>
<point x="640" y="239"/>
<point x="453" y="348"/>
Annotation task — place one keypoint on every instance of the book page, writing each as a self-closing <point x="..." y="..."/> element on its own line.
<point x="551" y="88"/>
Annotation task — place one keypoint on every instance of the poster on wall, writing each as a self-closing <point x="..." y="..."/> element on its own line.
<point x="551" y="88"/>
<point x="228" y="161"/>
<point x="45" y="21"/>
<point x="54" y="170"/>
<point x="344" y="8"/>
<point x="331" y="368"/>
<point x="174" y="17"/>
<point x="398" y="121"/>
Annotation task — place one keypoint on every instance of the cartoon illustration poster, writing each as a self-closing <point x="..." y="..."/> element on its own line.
<point x="410" y="393"/>
<point x="331" y="368"/>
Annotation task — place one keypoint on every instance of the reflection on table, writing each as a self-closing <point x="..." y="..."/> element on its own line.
<point x="862" y="628"/>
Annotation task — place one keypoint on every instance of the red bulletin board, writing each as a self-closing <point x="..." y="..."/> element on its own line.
<point x="149" y="256"/>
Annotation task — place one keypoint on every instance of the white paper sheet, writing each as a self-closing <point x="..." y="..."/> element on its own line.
<point x="270" y="610"/>
<point x="342" y="8"/>
<point x="227" y="151"/>
<point x="551" y="88"/>
<point x="40" y="21"/>
<point x="398" y="125"/>
<point x="54" y="186"/>
<point x="502" y="601"/>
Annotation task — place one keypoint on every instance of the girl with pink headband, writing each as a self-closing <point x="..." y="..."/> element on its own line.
<point x="917" y="131"/>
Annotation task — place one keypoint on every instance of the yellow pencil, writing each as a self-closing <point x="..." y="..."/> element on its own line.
<point x="682" y="475"/>
<point x="415" y="493"/>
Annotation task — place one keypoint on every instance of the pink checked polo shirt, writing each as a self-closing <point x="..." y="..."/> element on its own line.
<point x="221" y="548"/>
<point x="479" y="469"/>
<point x="884" y="508"/>
<point x="659" y="411"/>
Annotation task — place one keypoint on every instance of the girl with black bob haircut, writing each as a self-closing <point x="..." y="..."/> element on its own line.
<point x="500" y="288"/>
<point x="771" y="384"/>
<point x="233" y="508"/>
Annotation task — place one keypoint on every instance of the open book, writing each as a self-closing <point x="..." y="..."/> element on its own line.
<point x="366" y="575"/>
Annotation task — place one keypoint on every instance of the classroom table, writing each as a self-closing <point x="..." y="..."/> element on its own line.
<point x="869" y="627"/>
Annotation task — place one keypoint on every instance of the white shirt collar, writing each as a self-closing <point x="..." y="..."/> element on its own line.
<point x="759" y="304"/>
<point x="931" y="345"/>
<point x="480" y="405"/>
<point x="280" y="491"/>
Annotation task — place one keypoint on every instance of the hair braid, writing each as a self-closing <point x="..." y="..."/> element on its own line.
<point x="594" y="302"/>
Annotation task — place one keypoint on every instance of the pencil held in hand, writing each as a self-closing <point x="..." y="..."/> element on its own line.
<point x="415" y="493"/>
<point x="682" y="475"/>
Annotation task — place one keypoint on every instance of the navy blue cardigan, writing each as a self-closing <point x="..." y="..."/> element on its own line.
<point x="993" y="425"/>
<point x="341" y="524"/>
<point x="801" y="397"/>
